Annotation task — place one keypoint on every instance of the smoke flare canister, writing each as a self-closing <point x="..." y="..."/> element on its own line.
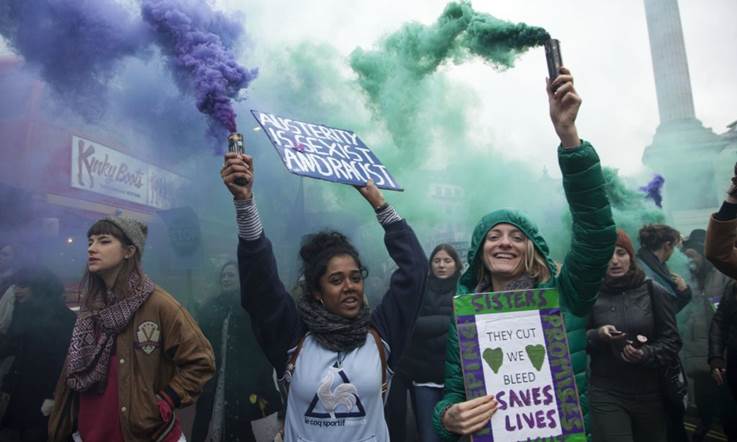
<point x="639" y="341"/>
<point x="235" y="144"/>
<point x="554" y="58"/>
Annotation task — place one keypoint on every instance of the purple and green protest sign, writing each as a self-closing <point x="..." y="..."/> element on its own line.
<point x="323" y="152"/>
<point x="513" y="345"/>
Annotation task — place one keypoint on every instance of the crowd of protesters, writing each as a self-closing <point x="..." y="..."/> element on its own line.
<point x="324" y="365"/>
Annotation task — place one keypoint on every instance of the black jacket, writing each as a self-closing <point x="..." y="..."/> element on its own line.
<point x="645" y="310"/>
<point x="247" y="372"/>
<point x="425" y="358"/>
<point x="38" y="337"/>
<point x="723" y="331"/>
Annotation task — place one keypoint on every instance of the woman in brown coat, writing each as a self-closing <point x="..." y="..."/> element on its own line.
<point x="135" y="354"/>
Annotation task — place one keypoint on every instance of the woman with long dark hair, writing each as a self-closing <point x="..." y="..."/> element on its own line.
<point x="334" y="357"/>
<point x="135" y="353"/>
<point x="632" y="337"/>
<point x="426" y="353"/>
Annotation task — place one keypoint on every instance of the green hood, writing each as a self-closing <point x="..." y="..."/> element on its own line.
<point x="469" y="279"/>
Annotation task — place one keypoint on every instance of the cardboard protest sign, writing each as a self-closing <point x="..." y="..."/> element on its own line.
<point x="513" y="345"/>
<point x="326" y="153"/>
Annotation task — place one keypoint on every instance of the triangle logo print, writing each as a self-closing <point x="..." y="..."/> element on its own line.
<point x="336" y="403"/>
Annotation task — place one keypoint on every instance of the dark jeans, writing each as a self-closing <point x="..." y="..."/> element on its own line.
<point x="712" y="401"/>
<point x="617" y="417"/>
<point x="423" y="402"/>
<point x="26" y="435"/>
<point x="732" y="372"/>
<point x="395" y="410"/>
<point x="675" y="422"/>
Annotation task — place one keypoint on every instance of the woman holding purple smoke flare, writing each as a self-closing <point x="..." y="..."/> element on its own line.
<point x="334" y="357"/>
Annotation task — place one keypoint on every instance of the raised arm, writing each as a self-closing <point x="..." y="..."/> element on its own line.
<point x="594" y="232"/>
<point x="273" y="312"/>
<point x="395" y="316"/>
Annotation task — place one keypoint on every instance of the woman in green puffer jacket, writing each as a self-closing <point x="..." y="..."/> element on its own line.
<point x="508" y="253"/>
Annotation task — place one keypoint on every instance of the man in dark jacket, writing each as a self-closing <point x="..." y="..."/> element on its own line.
<point x="721" y="251"/>
<point x="709" y="287"/>
<point x="38" y="337"/>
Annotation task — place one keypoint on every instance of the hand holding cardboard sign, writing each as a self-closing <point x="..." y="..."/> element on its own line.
<point x="470" y="416"/>
<point x="237" y="166"/>
<point x="372" y="194"/>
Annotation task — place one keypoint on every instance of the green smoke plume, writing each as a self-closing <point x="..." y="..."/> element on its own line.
<point x="410" y="99"/>
<point x="394" y="76"/>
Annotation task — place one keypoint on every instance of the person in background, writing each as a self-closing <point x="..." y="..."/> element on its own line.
<point x="721" y="235"/>
<point x="624" y="392"/>
<point x="243" y="387"/>
<point x="426" y="352"/>
<point x="709" y="286"/>
<point x="333" y="356"/>
<point x="135" y="354"/>
<point x="38" y="338"/>
<point x="8" y="265"/>
<point x="507" y="252"/>
<point x="658" y="242"/>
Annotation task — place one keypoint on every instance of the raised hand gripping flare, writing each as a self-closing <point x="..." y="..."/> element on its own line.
<point x="235" y="144"/>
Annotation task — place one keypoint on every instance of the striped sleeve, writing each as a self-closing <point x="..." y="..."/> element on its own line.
<point x="387" y="215"/>
<point x="248" y="219"/>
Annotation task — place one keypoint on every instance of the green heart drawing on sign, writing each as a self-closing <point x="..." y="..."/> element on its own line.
<point x="536" y="353"/>
<point x="494" y="357"/>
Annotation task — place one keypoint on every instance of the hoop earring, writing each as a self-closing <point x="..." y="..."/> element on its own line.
<point x="321" y="301"/>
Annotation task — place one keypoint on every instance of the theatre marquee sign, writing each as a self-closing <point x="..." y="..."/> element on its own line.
<point x="100" y="169"/>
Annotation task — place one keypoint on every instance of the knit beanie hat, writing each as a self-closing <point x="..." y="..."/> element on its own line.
<point x="625" y="242"/>
<point x="135" y="230"/>
<point x="695" y="241"/>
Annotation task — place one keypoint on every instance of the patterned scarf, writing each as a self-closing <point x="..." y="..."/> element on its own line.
<point x="522" y="282"/>
<point x="94" y="335"/>
<point x="332" y="331"/>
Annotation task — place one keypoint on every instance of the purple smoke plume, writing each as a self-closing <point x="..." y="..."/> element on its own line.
<point x="75" y="44"/>
<point x="654" y="190"/>
<point x="196" y="41"/>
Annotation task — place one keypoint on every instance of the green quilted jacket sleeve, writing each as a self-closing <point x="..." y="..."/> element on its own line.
<point x="453" y="391"/>
<point x="594" y="232"/>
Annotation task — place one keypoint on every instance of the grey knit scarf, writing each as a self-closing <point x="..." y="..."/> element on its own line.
<point x="332" y="331"/>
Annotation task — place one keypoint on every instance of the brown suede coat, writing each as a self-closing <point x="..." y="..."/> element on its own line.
<point x="161" y="347"/>
<point x="720" y="245"/>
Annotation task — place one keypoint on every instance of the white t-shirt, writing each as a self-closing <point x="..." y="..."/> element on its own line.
<point x="336" y="396"/>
